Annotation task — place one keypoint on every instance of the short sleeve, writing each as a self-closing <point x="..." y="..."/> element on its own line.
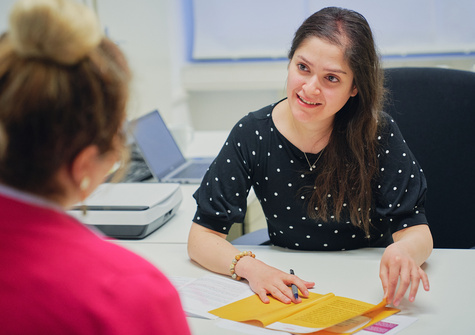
<point x="400" y="188"/>
<point x="222" y="196"/>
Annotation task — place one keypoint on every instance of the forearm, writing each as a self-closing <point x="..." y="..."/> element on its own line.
<point x="416" y="241"/>
<point x="210" y="249"/>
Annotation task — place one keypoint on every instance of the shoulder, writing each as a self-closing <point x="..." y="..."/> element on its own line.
<point x="253" y="122"/>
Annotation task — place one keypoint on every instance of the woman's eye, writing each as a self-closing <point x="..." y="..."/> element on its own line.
<point x="333" y="79"/>
<point x="302" y="67"/>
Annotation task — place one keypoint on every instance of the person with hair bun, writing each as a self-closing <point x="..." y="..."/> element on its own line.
<point x="63" y="96"/>
<point x="330" y="169"/>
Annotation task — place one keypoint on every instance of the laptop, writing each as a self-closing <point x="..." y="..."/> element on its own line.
<point x="161" y="153"/>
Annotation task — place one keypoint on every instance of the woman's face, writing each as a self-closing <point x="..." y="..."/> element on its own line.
<point x="319" y="82"/>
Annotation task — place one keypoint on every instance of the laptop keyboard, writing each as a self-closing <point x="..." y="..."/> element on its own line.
<point x="193" y="170"/>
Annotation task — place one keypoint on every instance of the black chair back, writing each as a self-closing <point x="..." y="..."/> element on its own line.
<point x="435" y="110"/>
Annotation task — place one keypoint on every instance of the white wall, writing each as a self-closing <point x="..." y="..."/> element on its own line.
<point x="207" y="95"/>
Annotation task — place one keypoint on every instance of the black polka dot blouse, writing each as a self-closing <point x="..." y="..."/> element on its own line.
<point x="257" y="155"/>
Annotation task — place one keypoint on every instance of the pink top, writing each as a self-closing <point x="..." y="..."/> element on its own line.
<point x="58" y="277"/>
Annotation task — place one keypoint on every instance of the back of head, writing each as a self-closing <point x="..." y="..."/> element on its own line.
<point x="63" y="87"/>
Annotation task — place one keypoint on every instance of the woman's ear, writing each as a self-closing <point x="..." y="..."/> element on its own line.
<point x="83" y="168"/>
<point x="354" y="92"/>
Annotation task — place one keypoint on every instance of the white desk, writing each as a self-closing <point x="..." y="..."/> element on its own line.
<point x="446" y="309"/>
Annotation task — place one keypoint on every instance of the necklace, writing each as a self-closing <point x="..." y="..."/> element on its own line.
<point x="314" y="165"/>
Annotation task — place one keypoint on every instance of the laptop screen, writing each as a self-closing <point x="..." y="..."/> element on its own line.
<point x="156" y="144"/>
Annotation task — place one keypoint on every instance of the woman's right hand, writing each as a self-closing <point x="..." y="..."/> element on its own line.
<point x="266" y="280"/>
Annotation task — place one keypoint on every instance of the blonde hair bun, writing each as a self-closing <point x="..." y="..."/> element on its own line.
<point x="64" y="31"/>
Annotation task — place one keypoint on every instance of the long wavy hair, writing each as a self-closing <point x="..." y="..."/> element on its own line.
<point x="344" y="182"/>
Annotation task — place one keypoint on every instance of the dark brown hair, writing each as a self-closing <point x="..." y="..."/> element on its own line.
<point x="53" y="108"/>
<point x="350" y="158"/>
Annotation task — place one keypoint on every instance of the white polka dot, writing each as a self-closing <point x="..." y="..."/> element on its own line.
<point x="275" y="216"/>
<point x="237" y="194"/>
<point x="288" y="208"/>
<point x="233" y="178"/>
<point x="304" y="218"/>
<point x="253" y="153"/>
<point x="278" y="170"/>
<point x="325" y="245"/>
<point x="394" y="188"/>
<point x="291" y="227"/>
<point x="308" y="236"/>
<point x="289" y="184"/>
<point x="336" y="231"/>
<point x="296" y="244"/>
<point x="276" y="194"/>
<point x="353" y="236"/>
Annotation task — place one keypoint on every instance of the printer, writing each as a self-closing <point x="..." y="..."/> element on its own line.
<point x="129" y="210"/>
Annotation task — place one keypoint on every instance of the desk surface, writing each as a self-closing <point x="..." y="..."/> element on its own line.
<point x="446" y="309"/>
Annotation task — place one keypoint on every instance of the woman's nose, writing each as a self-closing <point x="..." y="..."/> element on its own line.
<point x="312" y="86"/>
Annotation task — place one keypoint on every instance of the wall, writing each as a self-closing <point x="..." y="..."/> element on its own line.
<point x="214" y="95"/>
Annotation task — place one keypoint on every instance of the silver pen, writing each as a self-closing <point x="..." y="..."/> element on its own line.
<point x="295" y="290"/>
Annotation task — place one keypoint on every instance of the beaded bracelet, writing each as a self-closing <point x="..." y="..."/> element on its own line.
<point x="235" y="260"/>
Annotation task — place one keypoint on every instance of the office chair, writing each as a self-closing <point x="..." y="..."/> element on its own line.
<point x="435" y="110"/>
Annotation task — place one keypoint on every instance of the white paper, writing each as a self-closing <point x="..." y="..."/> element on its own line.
<point x="209" y="292"/>
<point x="388" y="326"/>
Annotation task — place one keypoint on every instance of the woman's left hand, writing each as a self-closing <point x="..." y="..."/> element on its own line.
<point x="397" y="265"/>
